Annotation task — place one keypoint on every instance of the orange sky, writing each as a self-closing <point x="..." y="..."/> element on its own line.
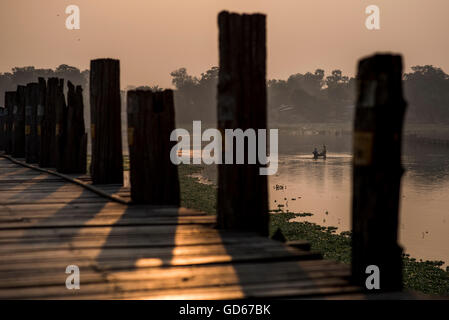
<point x="154" y="37"/>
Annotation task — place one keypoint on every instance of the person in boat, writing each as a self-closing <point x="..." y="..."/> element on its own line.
<point x="315" y="153"/>
<point x="324" y="151"/>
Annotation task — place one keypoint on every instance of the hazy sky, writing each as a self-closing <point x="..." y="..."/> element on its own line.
<point x="154" y="37"/>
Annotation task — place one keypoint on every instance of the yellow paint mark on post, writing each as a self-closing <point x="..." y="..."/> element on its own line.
<point x="92" y="131"/>
<point x="130" y="136"/>
<point x="363" y="148"/>
<point x="27" y="130"/>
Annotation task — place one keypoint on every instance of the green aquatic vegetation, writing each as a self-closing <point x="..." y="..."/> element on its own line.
<point x="196" y="195"/>
<point x="322" y="239"/>
<point x="424" y="276"/>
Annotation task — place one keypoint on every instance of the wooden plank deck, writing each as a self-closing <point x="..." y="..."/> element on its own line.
<point x="140" y="252"/>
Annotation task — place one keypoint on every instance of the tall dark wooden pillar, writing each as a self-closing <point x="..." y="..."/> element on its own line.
<point x="10" y="102"/>
<point x="377" y="170"/>
<point x="61" y="150"/>
<point x="40" y="114"/>
<point x="31" y="138"/>
<point x="18" y="126"/>
<point x="151" y="119"/>
<point x="2" y="128"/>
<point x="105" y="104"/>
<point x="242" y="192"/>
<point x="76" y="137"/>
<point x="48" y="130"/>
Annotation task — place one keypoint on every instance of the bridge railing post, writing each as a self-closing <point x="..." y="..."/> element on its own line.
<point x="10" y="101"/>
<point x="105" y="105"/>
<point x="377" y="170"/>
<point x="242" y="201"/>
<point x="151" y="119"/>
<point x="40" y="114"/>
<point x="60" y="128"/>
<point x="75" y="154"/>
<point x="18" y="126"/>
<point x="2" y="128"/>
<point x="31" y="138"/>
<point x="48" y="130"/>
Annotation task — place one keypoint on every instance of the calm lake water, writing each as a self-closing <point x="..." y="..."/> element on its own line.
<point x="323" y="187"/>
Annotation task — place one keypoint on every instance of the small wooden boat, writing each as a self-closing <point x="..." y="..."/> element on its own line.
<point x="317" y="154"/>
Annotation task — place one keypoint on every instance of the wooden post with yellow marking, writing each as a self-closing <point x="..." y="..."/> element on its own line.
<point x="18" y="125"/>
<point x="151" y="119"/>
<point x="377" y="170"/>
<point x="31" y="138"/>
<point x="242" y="201"/>
<point x="105" y="106"/>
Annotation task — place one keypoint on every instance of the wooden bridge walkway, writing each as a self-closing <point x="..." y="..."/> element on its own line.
<point x="139" y="252"/>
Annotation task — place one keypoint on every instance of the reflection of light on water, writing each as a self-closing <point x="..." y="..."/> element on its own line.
<point x="315" y="186"/>
<point x="320" y="186"/>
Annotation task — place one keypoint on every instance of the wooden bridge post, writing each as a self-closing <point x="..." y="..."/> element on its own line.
<point x="10" y="101"/>
<point x="60" y="128"/>
<point x="75" y="157"/>
<point x="2" y="128"/>
<point x="40" y="114"/>
<point x="31" y="139"/>
<point x="48" y="138"/>
<point x="105" y="105"/>
<point x="151" y="119"/>
<point x="377" y="170"/>
<point x="242" y="201"/>
<point x="18" y="126"/>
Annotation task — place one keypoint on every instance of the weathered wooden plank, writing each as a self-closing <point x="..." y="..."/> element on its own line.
<point x="134" y="252"/>
<point x="26" y="200"/>
<point x="178" y="277"/>
<point x="130" y="258"/>
<point x="123" y="230"/>
<point x="110" y="207"/>
<point x="145" y="290"/>
<point x="25" y="222"/>
<point x="99" y="242"/>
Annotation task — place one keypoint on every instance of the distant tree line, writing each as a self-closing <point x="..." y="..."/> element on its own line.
<point x="427" y="91"/>
<point x="315" y="97"/>
<point x="308" y="97"/>
<point x="24" y="75"/>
